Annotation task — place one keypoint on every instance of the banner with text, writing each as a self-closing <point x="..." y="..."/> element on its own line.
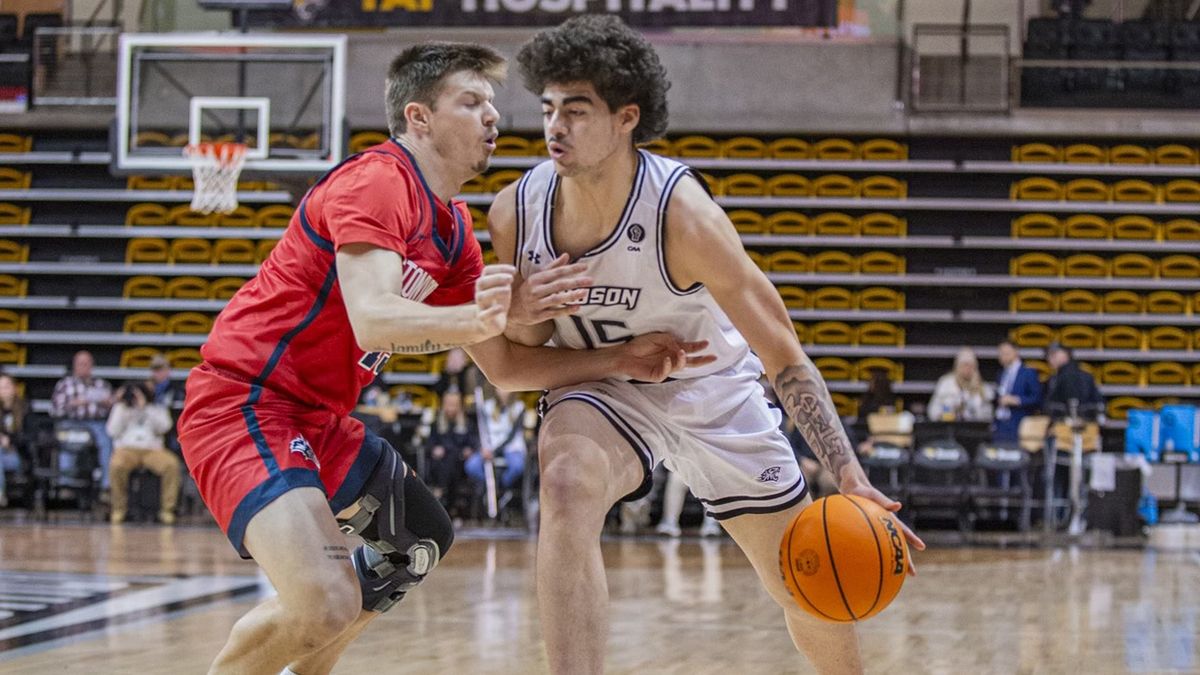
<point x="525" y="13"/>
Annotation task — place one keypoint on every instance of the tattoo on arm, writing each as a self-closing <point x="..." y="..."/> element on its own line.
<point x="337" y="552"/>
<point x="426" y="347"/>
<point x="803" y="394"/>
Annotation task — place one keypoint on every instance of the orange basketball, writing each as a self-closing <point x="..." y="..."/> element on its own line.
<point x="844" y="558"/>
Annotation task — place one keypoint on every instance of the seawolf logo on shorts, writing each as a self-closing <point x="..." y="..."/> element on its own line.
<point x="302" y="448"/>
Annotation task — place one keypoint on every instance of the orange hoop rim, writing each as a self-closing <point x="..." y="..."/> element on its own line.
<point x="218" y="149"/>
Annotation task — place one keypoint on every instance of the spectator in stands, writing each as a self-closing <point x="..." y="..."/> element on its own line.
<point x="459" y="373"/>
<point x="138" y="427"/>
<point x="12" y="422"/>
<point x="164" y="392"/>
<point x="452" y="438"/>
<point x="961" y="394"/>
<point x="503" y="437"/>
<point x="1070" y="389"/>
<point x="80" y="396"/>
<point x="879" y="394"/>
<point x="1018" y="393"/>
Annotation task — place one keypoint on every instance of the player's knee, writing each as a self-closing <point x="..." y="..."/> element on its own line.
<point x="328" y="609"/>
<point x="569" y="488"/>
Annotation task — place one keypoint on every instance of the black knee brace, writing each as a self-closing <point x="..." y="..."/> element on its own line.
<point x="405" y="529"/>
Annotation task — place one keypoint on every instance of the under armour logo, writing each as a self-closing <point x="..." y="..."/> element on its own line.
<point x="534" y="257"/>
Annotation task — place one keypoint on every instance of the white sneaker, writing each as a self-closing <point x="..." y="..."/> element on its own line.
<point x="669" y="529"/>
<point x="710" y="528"/>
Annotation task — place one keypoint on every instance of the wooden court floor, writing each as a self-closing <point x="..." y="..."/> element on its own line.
<point x="141" y="599"/>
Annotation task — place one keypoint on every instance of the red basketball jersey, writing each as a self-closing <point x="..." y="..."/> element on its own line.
<point x="287" y="328"/>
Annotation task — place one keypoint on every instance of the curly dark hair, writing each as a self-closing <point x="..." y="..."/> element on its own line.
<point x="601" y="49"/>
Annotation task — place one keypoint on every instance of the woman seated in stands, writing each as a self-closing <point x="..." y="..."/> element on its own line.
<point x="138" y="427"/>
<point x="962" y="395"/>
<point x="12" y="421"/>
<point x="451" y="439"/>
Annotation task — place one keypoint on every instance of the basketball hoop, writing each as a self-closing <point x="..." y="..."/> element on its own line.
<point x="215" y="170"/>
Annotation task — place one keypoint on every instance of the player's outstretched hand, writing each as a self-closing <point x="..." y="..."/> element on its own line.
<point x="493" y="296"/>
<point x="549" y="293"/>
<point x="653" y="357"/>
<point x="867" y="491"/>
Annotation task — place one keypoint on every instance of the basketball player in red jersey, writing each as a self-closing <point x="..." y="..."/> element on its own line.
<point x="376" y="260"/>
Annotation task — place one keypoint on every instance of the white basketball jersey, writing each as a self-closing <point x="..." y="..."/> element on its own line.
<point x="632" y="293"/>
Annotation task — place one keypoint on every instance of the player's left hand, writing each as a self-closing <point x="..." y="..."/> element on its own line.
<point x="867" y="491"/>
<point x="653" y="357"/>
<point x="551" y="292"/>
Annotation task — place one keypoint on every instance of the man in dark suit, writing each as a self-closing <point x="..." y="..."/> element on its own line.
<point x="1018" y="393"/>
<point x="1070" y="387"/>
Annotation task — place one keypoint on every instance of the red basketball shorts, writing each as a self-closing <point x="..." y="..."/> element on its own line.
<point x="246" y="445"/>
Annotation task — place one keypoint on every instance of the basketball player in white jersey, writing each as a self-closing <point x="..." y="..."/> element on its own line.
<point x="656" y="254"/>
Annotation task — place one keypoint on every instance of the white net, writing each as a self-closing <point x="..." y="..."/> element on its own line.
<point x="215" y="170"/>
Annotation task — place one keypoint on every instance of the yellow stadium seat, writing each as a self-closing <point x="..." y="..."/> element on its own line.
<point x="883" y="187"/>
<point x="793" y="297"/>
<point x="512" y="146"/>
<point x="183" y="358"/>
<point x="11" y="214"/>
<point x="150" y="183"/>
<point x="1032" y="335"/>
<point x="189" y="250"/>
<point x="189" y="322"/>
<point x="1195" y="301"/>
<point x="788" y="185"/>
<point x="696" y="146"/>
<point x="15" y="322"/>
<point x="184" y="216"/>
<point x="1129" y="154"/>
<point x="146" y="250"/>
<point x="1086" y="190"/>
<point x="15" y="143"/>
<point x="1179" y="267"/>
<point x="263" y="250"/>
<point x="1182" y="190"/>
<point x="14" y="179"/>
<point x="1166" y="302"/>
<point x="1037" y="225"/>
<point x="1133" y="190"/>
<point x="138" y="357"/>
<point x="883" y="150"/>
<point x="490" y="257"/>
<point x="409" y="363"/>
<point x="242" y="216"/>
<point x="12" y="287"/>
<point x="787" y="222"/>
<point x="880" y="298"/>
<point x="880" y="333"/>
<point x="1078" y="300"/>
<point x="831" y="333"/>
<point x="1032" y="300"/>
<point x="1121" y="372"/>
<point x="747" y="222"/>
<point x="366" y="139"/>
<point x="144" y="287"/>
<point x="1076" y="336"/>
<point x="744" y="185"/>
<point x="881" y="262"/>
<point x="11" y="251"/>
<point x="1038" y="153"/>
<point x="233" y="252"/>
<point x="1119" y="406"/>
<point x="878" y="224"/>
<point x="1123" y="337"/>
<point x="145" y="322"/>
<point x="1122" y="302"/>
<point x="833" y="297"/>
<point x="273" y="215"/>
<point x="742" y="147"/>
<point x="894" y="370"/>
<point x="1035" y="264"/>
<point x="1087" y="226"/>
<point x="476" y="185"/>
<point x="789" y="148"/>
<point x="1134" y="227"/>
<point x="835" y="149"/>
<point x="1168" y="337"/>
<point x="224" y="287"/>
<point x="834" y="262"/>
<point x="788" y="261"/>
<point x="1181" y="229"/>
<point x="1036" y="188"/>
<point x="1085" y="265"/>
<point x="1041" y="368"/>
<point x="801" y="331"/>
<point x="845" y="405"/>
<point x="1085" y="153"/>
<point x="1174" y="153"/>
<point x="834" y="369"/>
<point x="501" y="179"/>
<point x="835" y="224"/>
<point x="835" y="185"/>
<point x="659" y="146"/>
<point x="1168" y="373"/>
<point x="1195" y="374"/>
<point x="759" y="261"/>
<point x="154" y="215"/>
<point x="715" y="185"/>
<point x="12" y="354"/>
<point x="1134" y="265"/>
<point x="193" y="288"/>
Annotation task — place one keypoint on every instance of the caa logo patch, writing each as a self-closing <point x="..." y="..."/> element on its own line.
<point x="302" y="448"/>
<point x="769" y="475"/>
<point x="636" y="233"/>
